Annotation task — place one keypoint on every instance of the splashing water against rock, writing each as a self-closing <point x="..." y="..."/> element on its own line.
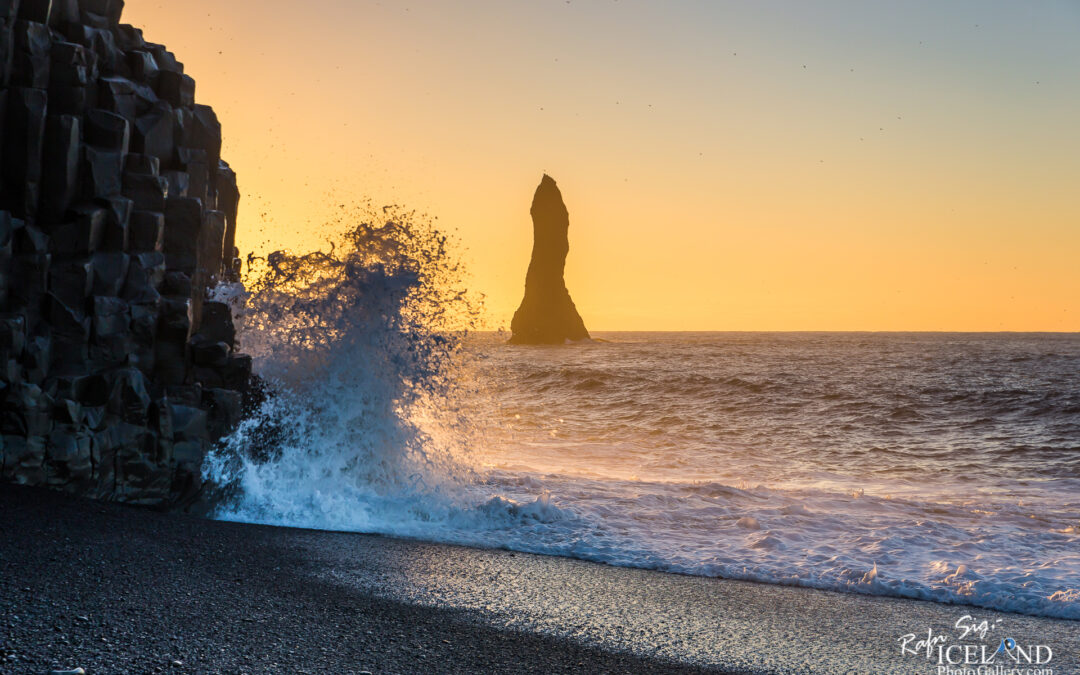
<point x="628" y="452"/>
<point x="356" y="346"/>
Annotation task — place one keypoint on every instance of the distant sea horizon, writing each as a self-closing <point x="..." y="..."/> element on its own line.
<point x="823" y="331"/>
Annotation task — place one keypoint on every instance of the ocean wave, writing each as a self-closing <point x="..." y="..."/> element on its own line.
<point x="909" y="466"/>
<point x="356" y="347"/>
<point x="816" y="539"/>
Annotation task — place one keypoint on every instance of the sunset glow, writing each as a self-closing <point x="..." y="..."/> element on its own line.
<point x="726" y="165"/>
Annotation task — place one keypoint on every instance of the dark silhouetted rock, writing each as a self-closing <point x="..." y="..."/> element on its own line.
<point x="216" y="323"/>
<point x="207" y="353"/>
<point x="224" y="408"/>
<point x="29" y="240"/>
<point x="228" y="199"/>
<point x="147" y="231"/>
<point x="178" y="181"/>
<point x="70" y="66"/>
<point x="72" y="281"/>
<point x="176" y="88"/>
<point x="165" y="59"/>
<point x="128" y="397"/>
<point x="109" y="273"/>
<point x="108" y="131"/>
<point x="83" y="235"/>
<point x="117" y="218"/>
<point x="29" y="281"/>
<point x="24" y="140"/>
<point x="69" y="100"/>
<point x="117" y="215"/>
<point x="102" y="172"/>
<point x="210" y="243"/>
<point x="175" y="322"/>
<point x="146" y="190"/>
<point x="144" y="164"/>
<point x="117" y="94"/>
<point x="64" y="12"/>
<point x="196" y="165"/>
<point x="202" y="130"/>
<point x="110" y="333"/>
<point x="107" y="9"/>
<point x="31" y="59"/>
<point x="176" y="283"/>
<point x="183" y="225"/>
<point x="144" y="276"/>
<point x="547" y="314"/>
<point x="238" y="372"/>
<point x="70" y="332"/>
<point x="154" y="133"/>
<point x="35" y="10"/>
<point x="68" y="454"/>
<point x="143" y="67"/>
<point x="60" y="178"/>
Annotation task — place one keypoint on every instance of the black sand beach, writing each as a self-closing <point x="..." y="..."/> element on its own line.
<point x="120" y="590"/>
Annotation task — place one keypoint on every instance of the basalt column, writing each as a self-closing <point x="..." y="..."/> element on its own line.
<point x="547" y="314"/>
<point x="117" y="216"/>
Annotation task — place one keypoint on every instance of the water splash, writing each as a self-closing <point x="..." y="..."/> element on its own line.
<point x="357" y="347"/>
<point x="775" y="458"/>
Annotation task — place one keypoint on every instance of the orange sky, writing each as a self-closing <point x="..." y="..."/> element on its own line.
<point x="727" y="165"/>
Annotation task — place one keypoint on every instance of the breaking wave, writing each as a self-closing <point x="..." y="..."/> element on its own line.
<point x="355" y="349"/>
<point x="941" y="468"/>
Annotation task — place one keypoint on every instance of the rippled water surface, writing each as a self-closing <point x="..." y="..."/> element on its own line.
<point x="940" y="466"/>
<point x="916" y="414"/>
<point x="937" y="466"/>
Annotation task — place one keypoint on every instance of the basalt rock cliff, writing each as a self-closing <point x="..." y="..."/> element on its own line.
<point x="547" y="314"/>
<point x="117" y="214"/>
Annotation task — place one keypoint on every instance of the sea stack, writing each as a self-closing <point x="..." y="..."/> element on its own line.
<point x="547" y="314"/>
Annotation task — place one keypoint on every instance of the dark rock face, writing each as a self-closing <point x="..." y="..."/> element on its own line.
<point x="117" y="214"/>
<point x="547" y="314"/>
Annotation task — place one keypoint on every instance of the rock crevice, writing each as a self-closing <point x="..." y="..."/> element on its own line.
<point x="117" y="214"/>
<point x="547" y="314"/>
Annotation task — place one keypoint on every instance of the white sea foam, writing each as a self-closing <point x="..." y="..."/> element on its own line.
<point x="704" y="456"/>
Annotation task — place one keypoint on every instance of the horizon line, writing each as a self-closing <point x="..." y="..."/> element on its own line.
<point x="826" y="331"/>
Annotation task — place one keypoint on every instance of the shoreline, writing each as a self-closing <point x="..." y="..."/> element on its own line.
<point x="120" y="589"/>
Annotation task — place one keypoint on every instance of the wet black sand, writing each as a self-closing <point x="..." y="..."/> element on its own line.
<point x="121" y="590"/>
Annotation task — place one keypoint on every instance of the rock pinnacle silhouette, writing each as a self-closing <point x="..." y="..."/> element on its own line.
<point x="547" y="314"/>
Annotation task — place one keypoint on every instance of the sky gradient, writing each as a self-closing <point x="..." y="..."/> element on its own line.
<point x="859" y="165"/>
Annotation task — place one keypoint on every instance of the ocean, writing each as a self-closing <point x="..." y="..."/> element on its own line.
<point x="942" y="467"/>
